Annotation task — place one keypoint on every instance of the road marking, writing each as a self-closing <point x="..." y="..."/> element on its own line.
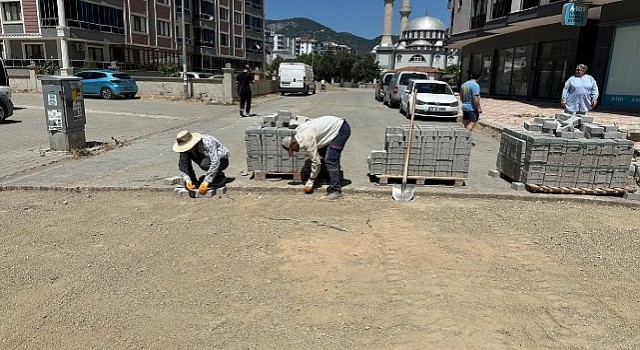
<point x="129" y="114"/>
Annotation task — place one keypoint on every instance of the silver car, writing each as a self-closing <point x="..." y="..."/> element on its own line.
<point x="398" y="83"/>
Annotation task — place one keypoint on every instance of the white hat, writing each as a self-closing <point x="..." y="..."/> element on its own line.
<point x="286" y="144"/>
<point x="186" y="140"/>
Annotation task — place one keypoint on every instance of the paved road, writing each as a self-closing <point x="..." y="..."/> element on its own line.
<point x="148" y="127"/>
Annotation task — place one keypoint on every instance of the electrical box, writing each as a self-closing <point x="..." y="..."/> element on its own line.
<point x="64" y="112"/>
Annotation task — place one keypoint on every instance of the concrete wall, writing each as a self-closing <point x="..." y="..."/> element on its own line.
<point x="219" y="90"/>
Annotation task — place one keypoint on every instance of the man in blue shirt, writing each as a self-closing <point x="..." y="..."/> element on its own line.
<point x="470" y="96"/>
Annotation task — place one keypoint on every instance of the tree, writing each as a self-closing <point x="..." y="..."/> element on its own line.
<point x="366" y="69"/>
<point x="452" y="75"/>
<point x="344" y="63"/>
<point x="272" y="69"/>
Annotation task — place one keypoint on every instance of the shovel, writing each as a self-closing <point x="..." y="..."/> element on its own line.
<point x="404" y="192"/>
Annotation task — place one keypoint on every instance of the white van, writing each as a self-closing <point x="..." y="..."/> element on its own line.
<point x="296" y="77"/>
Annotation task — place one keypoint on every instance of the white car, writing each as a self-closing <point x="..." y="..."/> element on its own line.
<point x="434" y="98"/>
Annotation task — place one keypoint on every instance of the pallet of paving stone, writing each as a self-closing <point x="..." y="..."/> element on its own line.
<point x="264" y="175"/>
<point x="421" y="180"/>
<point x="576" y="190"/>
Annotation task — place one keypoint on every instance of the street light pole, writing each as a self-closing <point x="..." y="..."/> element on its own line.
<point x="185" y="84"/>
<point x="63" y="33"/>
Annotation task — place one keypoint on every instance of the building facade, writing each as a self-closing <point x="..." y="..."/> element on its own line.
<point x="135" y="34"/>
<point x="522" y="49"/>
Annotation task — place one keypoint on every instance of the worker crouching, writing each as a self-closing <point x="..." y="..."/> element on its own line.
<point x="207" y="152"/>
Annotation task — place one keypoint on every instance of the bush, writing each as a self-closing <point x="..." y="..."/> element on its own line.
<point x="50" y="67"/>
<point x="90" y="64"/>
<point x="168" y="69"/>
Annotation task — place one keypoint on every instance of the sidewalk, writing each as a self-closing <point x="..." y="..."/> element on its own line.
<point x="498" y="114"/>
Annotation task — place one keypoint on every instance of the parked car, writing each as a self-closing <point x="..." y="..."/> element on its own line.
<point x="6" y="106"/>
<point x="196" y="75"/>
<point x="434" y="98"/>
<point x="383" y="82"/>
<point x="107" y="84"/>
<point x="4" y="80"/>
<point x="398" y="83"/>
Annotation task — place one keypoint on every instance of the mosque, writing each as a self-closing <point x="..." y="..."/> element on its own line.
<point x="421" y="43"/>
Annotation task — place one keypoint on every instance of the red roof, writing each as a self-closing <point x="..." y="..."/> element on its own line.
<point x="423" y="69"/>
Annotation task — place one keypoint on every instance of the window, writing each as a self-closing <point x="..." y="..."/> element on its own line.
<point x="527" y="4"/>
<point x="500" y="8"/>
<point x="237" y="18"/>
<point x="12" y="11"/>
<point x="95" y="53"/>
<point x="417" y="58"/>
<point x="224" y="14"/>
<point x="478" y="13"/>
<point x="83" y="14"/>
<point x="238" y="42"/>
<point x="204" y="37"/>
<point x="163" y="28"/>
<point x="34" y="51"/>
<point x="163" y="2"/>
<point x="224" y="39"/>
<point x="139" y="24"/>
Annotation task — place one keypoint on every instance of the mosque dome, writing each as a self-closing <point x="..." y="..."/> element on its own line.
<point x="426" y="23"/>
<point x="420" y="43"/>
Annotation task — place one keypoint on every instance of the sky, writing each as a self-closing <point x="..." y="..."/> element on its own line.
<point x="363" y="18"/>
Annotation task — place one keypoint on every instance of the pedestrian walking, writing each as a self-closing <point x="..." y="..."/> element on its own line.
<point x="580" y="93"/>
<point x="470" y="96"/>
<point x="244" y="81"/>
<point x="207" y="152"/>
<point x="312" y="137"/>
<point x="323" y="85"/>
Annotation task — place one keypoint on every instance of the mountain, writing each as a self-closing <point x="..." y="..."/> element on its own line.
<point x="304" y="27"/>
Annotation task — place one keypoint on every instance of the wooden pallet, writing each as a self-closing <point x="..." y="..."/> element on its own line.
<point x="575" y="190"/>
<point x="421" y="180"/>
<point x="263" y="175"/>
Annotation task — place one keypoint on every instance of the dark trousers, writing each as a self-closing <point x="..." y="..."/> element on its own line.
<point x="245" y="101"/>
<point x="204" y="163"/>
<point x="332" y="158"/>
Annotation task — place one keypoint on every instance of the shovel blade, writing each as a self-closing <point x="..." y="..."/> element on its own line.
<point x="402" y="193"/>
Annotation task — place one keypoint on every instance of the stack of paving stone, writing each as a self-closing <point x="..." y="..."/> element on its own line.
<point x="566" y="151"/>
<point x="264" y="145"/>
<point x="436" y="151"/>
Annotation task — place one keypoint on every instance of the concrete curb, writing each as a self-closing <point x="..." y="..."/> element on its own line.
<point x="524" y="196"/>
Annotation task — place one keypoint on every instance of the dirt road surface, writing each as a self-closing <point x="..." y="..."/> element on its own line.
<point x="139" y="270"/>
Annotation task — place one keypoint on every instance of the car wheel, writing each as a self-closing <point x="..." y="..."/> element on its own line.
<point x="106" y="93"/>
<point x="393" y="105"/>
<point x="401" y="110"/>
<point x="282" y="93"/>
<point x="3" y="113"/>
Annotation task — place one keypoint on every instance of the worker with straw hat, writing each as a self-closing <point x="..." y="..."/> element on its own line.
<point x="204" y="150"/>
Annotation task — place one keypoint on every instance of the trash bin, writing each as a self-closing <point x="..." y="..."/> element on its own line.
<point x="64" y="112"/>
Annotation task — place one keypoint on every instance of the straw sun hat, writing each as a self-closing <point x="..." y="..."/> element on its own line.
<point x="186" y="140"/>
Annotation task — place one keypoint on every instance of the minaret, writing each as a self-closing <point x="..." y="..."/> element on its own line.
<point x="405" y="11"/>
<point x="388" y="19"/>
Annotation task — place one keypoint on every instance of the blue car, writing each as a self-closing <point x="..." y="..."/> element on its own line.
<point x="107" y="84"/>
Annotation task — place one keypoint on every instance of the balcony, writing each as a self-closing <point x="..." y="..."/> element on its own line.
<point x="500" y="8"/>
<point x="477" y="22"/>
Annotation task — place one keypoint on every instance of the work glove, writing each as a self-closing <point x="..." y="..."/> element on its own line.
<point x="189" y="185"/>
<point x="203" y="187"/>
<point x="308" y="187"/>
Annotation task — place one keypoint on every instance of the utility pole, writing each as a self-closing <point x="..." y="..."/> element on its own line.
<point x="63" y="32"/>
<point x="185" y="84"/>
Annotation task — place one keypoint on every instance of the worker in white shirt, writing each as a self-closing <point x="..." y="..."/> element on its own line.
<point x="330" y="132"/>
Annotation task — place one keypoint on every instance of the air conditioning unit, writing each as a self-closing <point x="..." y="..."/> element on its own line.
<point x="80" y="46"/>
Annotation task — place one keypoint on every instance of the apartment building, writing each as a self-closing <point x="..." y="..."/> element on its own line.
<point x="135" y="34"/>
<point x="523" y="50"/>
